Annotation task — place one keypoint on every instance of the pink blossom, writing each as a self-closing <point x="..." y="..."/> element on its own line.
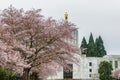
<point x="30" y="41"/>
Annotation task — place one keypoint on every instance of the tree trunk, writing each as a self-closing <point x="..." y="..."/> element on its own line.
<point x="34" y="76"/>
<point x="26" y="75"/>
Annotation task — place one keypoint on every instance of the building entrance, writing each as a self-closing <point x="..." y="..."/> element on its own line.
<point x="68" y="74"/>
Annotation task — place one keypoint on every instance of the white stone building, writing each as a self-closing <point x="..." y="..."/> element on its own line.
<point x="88" y="67"/>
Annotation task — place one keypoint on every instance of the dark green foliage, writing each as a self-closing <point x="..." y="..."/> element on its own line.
<point x="34" y="76"/>
<point x="7" y="75"/>
<point x="84" y="45"/>
<point x="100" y="47"/>
<point x="115" y="79"/>
<point x="105" y="70"/>
<point x="91" y="47"/>
<point x="97" y="45"/>
<point x="2" y="74"/>
<point x="94" y="49"/>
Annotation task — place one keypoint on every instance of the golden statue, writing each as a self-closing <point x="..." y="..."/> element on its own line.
<point x="66" y="16"/>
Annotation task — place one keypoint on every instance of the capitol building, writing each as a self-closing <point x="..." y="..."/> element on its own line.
<point x="88" y="66"/>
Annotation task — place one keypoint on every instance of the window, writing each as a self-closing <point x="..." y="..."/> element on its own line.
<point x="90" y="63"/>
<point x="116" y="64"/>
<point x="90" y="70"/>
<point x="75" y="36"/>
<point x="90" y="75"/>
<point x="67" y="73"/>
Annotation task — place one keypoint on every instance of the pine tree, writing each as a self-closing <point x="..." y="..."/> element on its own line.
<point x="97" y="45"/>
<point x="91" y="47"/>
<point x="101" y="50"/>
<point x="94" y="49"/>
<point x="84" y="45"/>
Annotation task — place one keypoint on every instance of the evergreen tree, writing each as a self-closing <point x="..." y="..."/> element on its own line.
<point x="84" y="45"/>
<point x="100" y="47"/>
<point x="97" y="45"/>
<point x="91" y="52"/>
<point x="105" y="70"/>
<point x="103" y="51"/>
<point x="94" y="49"/>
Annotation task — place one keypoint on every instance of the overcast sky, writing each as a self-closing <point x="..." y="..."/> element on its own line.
<point x="101" y="17"/>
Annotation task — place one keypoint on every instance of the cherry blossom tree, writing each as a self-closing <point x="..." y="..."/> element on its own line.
<point x="116" y="74"/>
<point x="33" y="44"/>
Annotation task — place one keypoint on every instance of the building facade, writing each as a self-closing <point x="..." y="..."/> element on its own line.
<point x="88" y="68"/>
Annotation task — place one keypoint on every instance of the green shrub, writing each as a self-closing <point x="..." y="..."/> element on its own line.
<point x="7" y="75"/>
